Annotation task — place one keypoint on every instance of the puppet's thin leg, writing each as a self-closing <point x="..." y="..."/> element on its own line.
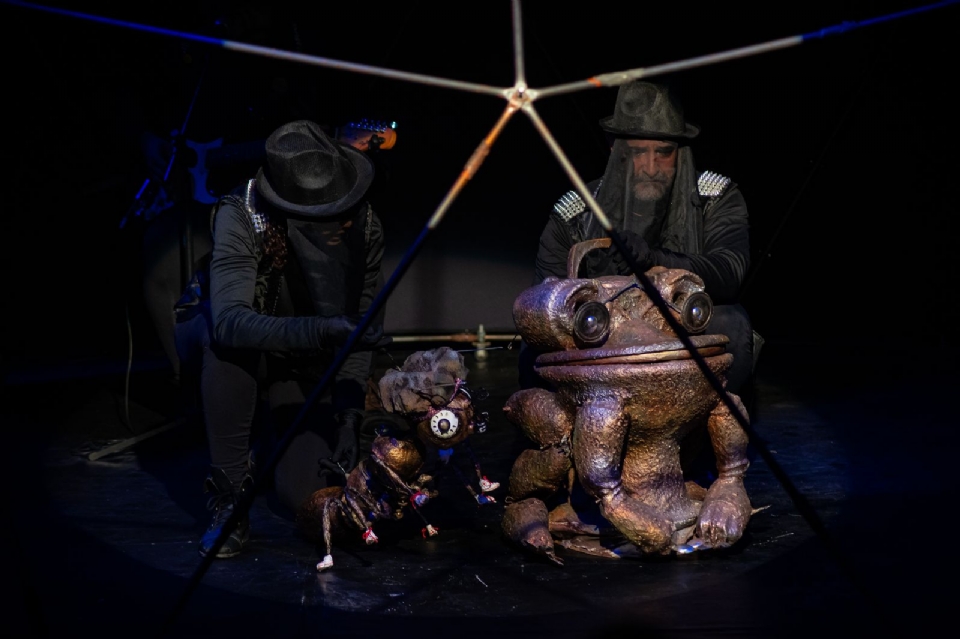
<point x="328" y="558"/>
<point x="428" y="529"/>
<point x="480" y="499"/>
<point x="416" y="496"/>
<point x="486" y="485"/>
<point x="359" y="518"/>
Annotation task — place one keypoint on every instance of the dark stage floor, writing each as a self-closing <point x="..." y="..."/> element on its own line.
<point x="108" y="547"/>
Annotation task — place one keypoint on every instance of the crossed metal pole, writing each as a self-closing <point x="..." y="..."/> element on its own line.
<point x="519" y="97"/>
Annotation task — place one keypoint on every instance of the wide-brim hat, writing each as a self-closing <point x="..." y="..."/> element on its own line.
<point x="308" y="173"/>
<point x="649" y="111"/>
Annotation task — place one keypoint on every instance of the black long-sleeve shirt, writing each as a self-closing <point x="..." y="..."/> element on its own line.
<point x="723" y="240"/>
<point x="233" y="280"/>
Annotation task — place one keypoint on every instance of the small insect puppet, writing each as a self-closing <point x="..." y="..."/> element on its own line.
<point x="426" y="403"/>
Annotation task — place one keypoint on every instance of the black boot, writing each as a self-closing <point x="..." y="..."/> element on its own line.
<point x="223" y="501"/>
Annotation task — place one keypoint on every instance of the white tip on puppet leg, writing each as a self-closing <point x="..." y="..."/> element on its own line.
<point x="326" y="563"/>
<point x="488" y="486"/>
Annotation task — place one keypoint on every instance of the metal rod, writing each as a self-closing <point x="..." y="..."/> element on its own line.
<point x="520" y="79"/>
<point x="127" y="443"/>
<point x="271" y="52"/>
<point x="393" y="74"/>
<point x="454" y="337"/>
<point x="473" y="165"/>
<point x="578" y="182"/>
<point x="621" y="77"/>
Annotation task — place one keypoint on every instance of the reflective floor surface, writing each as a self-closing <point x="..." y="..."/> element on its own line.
<point x="852" y="540"/>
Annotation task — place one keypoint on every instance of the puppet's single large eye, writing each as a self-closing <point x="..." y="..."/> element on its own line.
<point x="444" y="424"/>
<point x="591" y="324"/>
<point x="696" y="311"/>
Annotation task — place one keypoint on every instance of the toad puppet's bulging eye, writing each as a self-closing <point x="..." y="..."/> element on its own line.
<point x="591" y="324"/>
<point x="696" y="312"/>
<point x="444" y="424"/>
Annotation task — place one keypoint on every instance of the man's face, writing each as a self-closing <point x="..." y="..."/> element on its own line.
<point x="654" y="167"/>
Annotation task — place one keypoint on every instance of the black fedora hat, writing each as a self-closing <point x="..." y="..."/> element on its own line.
<point x="650" y="111"/>
<point x="307" y="173"/>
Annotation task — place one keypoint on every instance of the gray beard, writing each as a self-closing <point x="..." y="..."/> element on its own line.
<point x="645" y="217"/>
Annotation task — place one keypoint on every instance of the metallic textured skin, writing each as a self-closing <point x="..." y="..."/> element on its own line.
<point x="404" y="456"/>
<point x="378" y="488"/>
<point x="539" y="473"/>
<point x="621" y="408"/>
<point x="540" y="418"/>
<point x="526" y="523"/>
<point x="430" y="395"/>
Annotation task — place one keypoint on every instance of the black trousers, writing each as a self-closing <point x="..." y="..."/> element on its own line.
<point x="232" y="385"/>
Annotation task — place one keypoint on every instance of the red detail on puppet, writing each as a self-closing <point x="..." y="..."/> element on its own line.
<point x="419" y="498"/>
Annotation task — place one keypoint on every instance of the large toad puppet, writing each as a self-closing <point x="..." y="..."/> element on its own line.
<point x="627" y="392"/>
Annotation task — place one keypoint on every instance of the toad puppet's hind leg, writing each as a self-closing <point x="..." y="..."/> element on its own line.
<point x="726" y="507"/>
<point x="599" y="437"/>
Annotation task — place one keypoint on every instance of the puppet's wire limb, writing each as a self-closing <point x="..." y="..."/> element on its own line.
<point x="245" y="500"/>
<point x="401" y="484"/>
<point x="271" y="52"/>
<point x="622" y="77"/>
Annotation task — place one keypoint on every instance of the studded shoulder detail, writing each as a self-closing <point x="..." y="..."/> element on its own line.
<point x="711" y="184"/>
<point x="570" y="204"/>
<point x="259" y="219"/>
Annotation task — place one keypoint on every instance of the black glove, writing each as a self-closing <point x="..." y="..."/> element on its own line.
<point x="639" y="247"/>
<point x="335" y="330"/>
<point x="344" y="457"/>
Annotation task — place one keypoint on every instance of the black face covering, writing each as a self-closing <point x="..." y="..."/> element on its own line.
<point x="644" y="217"/>
<point x="672" y="222"/>
<point x="331" y="259"/>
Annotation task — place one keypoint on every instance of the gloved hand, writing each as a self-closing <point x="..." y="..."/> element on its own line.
<point x="335" y="330"/>
<point x="347" y="450"/>
<point x="641" y="251"/>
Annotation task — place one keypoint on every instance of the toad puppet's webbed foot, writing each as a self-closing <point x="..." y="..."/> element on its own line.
<point x="725" y="513"/>
<point x="726" y="507"/>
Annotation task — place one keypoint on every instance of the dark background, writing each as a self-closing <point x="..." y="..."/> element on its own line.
<point x="844" y="148"/>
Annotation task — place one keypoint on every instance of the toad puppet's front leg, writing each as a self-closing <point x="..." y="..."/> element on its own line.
<point x="599" y="437"/>
<point x="726" y="507"/>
